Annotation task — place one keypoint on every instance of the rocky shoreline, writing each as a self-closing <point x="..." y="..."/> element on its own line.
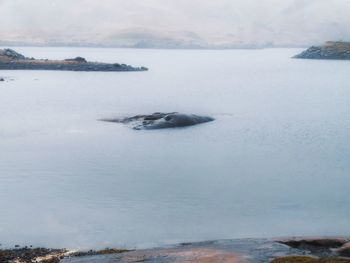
<point x="288" y="250"/>
<point x="330" y="50"/>
<point x="11" y="60"/>
<point x="45" y="255"/>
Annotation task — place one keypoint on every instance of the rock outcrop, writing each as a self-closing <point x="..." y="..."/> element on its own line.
<point x="11" y="60"/>
<point x="321" y="247"/>
<point x="160" y="120"/>
<point x="29" y="255"/>
<point x="315" y="243"/>
<point x="330" y="50"/>
<point x="10" y="54"/>
<point x="344" y="251"/>
<point x="308" y="259"/>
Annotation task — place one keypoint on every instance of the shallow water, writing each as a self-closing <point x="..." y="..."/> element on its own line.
<point x="274" y="163"/>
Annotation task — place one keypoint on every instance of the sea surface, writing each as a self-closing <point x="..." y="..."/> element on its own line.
<point x="275" y="162"/>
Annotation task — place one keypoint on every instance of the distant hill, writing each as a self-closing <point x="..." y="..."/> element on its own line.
<point x="141" y="38"/>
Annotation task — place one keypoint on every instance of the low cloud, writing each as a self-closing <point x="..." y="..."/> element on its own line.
<point x="175" y="23"/>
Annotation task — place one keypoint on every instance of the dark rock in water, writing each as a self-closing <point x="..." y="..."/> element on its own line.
<point x="330" y="50"/>
<point x="2" y="79"/>
<point x="10" y="59"/>
<point x="344" y="251"/>
<point x="323" y="243"/>
<point x="319" y="246"/>
<point x="160" y="120"/>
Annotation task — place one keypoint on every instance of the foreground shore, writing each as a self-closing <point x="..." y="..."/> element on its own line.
<point x="288" y="250"/>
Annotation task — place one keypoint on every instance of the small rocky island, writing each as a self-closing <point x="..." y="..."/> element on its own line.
<point x="330" y="50"/>
<point x="159" y="120"/>
<point x="11" y="60"/>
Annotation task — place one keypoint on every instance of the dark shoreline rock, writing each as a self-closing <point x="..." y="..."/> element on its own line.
<point x="106" y="251"/>
<point x="317" y="246"/>
<point x="46" y="255"/>
<point x="308" y="259"/>
<point x="11" y="60"/>
<point x="330" y="50"/>
<point x="315" y="243"/>
<point x="159" y="120"/>
<point x="344" y="251"/>
<point x="28" y="255"/>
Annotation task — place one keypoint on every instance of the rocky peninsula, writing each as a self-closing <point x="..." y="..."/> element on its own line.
<point x="11" y="60"/>
<point x="330" y="50"/>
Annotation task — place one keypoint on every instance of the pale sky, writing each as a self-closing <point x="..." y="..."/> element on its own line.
<point x="213" y="22"/>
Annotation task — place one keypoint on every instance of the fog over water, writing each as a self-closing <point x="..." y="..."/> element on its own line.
<point x="275" y="162"/>
<point x="175" y="23"/>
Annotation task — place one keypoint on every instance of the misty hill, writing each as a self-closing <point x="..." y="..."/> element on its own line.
<point x="141" y="39"/>
<point x="173" y="24"/>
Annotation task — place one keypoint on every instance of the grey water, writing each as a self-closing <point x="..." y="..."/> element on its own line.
<point x="275" y="162"/>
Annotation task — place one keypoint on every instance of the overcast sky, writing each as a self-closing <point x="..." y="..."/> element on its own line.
<point x="216" y="22"/>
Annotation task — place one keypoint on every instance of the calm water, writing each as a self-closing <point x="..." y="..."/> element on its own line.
<point x="275" y="162"/>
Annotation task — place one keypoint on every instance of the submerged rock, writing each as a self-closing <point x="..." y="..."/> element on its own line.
<point x="10" y="59"/>
<point x="330" y="50"/>
<point x="160" y="120"/>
